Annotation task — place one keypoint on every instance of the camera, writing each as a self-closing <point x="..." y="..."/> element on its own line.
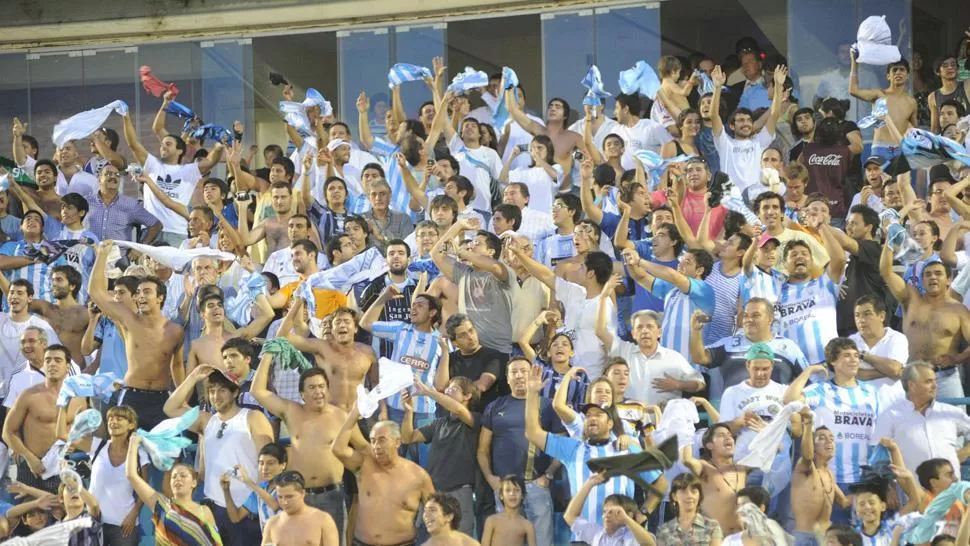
<point x="241" y="195"/>
<point x="134" y="170"/>
<point x="578" y="155"/>
<point x="523" y="147"/>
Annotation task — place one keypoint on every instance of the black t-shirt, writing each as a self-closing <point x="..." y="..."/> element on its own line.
<point x="862" y="278"/>
<point x="451" y="459"/>
<point x="472" y="366"/>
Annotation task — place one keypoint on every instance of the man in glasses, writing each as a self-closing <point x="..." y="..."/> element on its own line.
<point x="299" y="522"/>
<point x="950" y="90"/>
<point x="230" y="437"/>
<point x="113" y="216"/>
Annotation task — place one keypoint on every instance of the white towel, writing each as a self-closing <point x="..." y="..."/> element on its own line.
<point x="765" y="444"/>
<point x="394" y="378"/>
<point x="875" y="42"/>
<point x="178" y="259"/>
<point x="86" y="123"/>
<point x="679" y="418"/>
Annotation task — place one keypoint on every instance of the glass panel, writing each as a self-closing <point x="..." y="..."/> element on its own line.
<point x="14" y="97"/>
<point x="56" y="92"/>
<point x="567" y="51"/>
<point x="418" y="45"/>
<point x="227" y="75"/>
<point x="623" y="37"/>
<point x="365" y="58"/>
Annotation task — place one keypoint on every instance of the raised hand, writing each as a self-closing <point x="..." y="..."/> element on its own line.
<point x="535" y="382"/>
<point x="610" y="286"/>
<point x="781" y="72"/>
<point x="438" y="67"/>
<point x="717" y="76"/>
<point x="363" y="103"/>
<point x="699" y="320"/>
<point x="19" y="128"/>
<point x="631" y="257"/>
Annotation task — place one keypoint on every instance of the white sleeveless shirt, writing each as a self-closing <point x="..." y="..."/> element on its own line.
<point x="224" y="451"/>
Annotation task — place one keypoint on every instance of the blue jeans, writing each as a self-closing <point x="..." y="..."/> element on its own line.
<point x="805" y="539"/>
<point x="537" y="509"/>
<point x="414" y="452"/>
<point x="887" y="151"/>
<point x="948" y="384"/>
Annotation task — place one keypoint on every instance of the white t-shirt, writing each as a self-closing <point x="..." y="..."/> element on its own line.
<point x="10" y="353"/>
<point x="82" y="182"/>
<point x="646" y="134"/>
<point x="580" y="316"/>
<point x="599" y="138"/>
<point x="110" y="486"/>
<point x="541" y="186"/>
<point x="21" y="381"/>
<point x="741" y="159"/>
<point x="479" y="166"/>
<point x="517" y="137"/>
<point x="176" y="181"/>
<point x="280" y="263"/>
<point x="893" y="345"/>
<point x="739" y="399"/>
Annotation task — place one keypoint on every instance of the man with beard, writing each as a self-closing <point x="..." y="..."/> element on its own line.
<point x="298" y="522"/>
<point x="153" y="343"/>
<point x="303" y="254"/>
<point x="770" y="208"/>
<point x="740" y="154"/>
<point x="273" y="229"/>
<point x="901" y="105"/>
<point x="396" y="254"/>
<point x="280" y="263"/>
<point x="873" y="192"/>
<point x="392" y="488"/>
<point x="935" y="324"/>
<point x="315" y="426"/>
<point x="231" y="437"/>
<point x="175" y="179"/>
<point x="564" y="141"/>
<point x="68" y="318"/>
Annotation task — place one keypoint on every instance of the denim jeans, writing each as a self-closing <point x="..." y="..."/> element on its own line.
<point x="887" y="151"/>
<point x="948" y="384"/>
<point x="537" y="509"/>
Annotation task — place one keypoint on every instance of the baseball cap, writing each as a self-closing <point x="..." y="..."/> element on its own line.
<point x="766" y="238"/>
<point x="875" y="160"/>
<point x="605" y="408"/>
<point x="336" y="143"/>
<point x="759" y="351"/>
<point x="941" y="173"/>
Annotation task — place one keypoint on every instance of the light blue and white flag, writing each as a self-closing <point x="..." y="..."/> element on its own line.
<point x="510" y="77"/>
<point x="84" y="124"/>
<point x="924" y="149"/>
<point x="295" y="115"/>
<point x="593" y="82"/>
<point x="879" y="109"/>
<point x="655" y="165"/>
<point x="239" y="307"/>
<point x="469" y="79"/>
<point x="367" y="265"/>
<point x="100" y="386"/>
<point x="315" y="98"/>
<point x="642" y="78"/>
<point x="404" y="72"/>
<point x="164" y="443"/>
<point x="85" y="423"/>
<point x="707" y="84"/>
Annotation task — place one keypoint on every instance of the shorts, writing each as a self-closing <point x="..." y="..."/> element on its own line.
<point x="27" y="477"/>
<point x="147" y="405"/>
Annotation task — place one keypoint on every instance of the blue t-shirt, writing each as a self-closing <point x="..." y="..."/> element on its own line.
<point x="114" y="359"/>
<point x="639" y="229"/>
<point x="511" y="451"/>
<point x="11" y="227"/>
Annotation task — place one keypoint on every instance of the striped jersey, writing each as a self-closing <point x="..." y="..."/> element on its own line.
<point x="574" y="454"/>
<point x="726" y="293"/>
<point x="808" y="316"/>
<point x="35" y="273"/>
<point x="760" y="284"/>
<point x="416" y="349"/>
<point x="850" y="413"/>
<point x="883" y="536"/>
<point x="678" y="309"/>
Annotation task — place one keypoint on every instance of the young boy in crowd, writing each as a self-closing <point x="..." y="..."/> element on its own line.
<point x="509" y="527"/>
<point x="262" y="501"/>
<point x="618" y="526"/>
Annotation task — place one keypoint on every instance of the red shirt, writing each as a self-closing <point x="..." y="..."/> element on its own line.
<point x="693" y="208"/>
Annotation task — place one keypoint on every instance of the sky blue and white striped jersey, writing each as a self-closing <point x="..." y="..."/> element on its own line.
<point x="761" y="284"/>
<point x="851" y="416"/>
<point x="79" y="257"/>
<point x="553" y="248"/>
<point x="726" y="293"/>
<point x="574" y="453"/>
<point x="883" y="536"/>
<point x="808" y="317"/>
<point x="399" y="192"/>
<point x="678" y="308"/>
<point x="35" y="273"/>
<point x="416" y="349"/>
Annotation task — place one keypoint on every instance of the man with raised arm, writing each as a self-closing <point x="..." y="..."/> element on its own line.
<point x="392" y="488"/>
<point x="936" y="325"/>
<point x="68" y="318"/>
<point x="720" y="475"/>
<point x="176" y="180"/>
<point x="346" y="362"/>
<point x="152" y="342"/>
<point x="564" y="141"/>
<point x="901" y="105"/>
<point x="313" y="427"/>
<point x="813" y="490"/>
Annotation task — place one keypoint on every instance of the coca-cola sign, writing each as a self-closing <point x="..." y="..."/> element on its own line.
<point x="831" y="160"/>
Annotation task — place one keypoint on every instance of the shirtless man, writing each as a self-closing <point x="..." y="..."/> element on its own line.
<point x="297" y="524"/>
<point x="564" y="141"/>
<point x="66" y="316"/>
<point x="442" y="514"/>
<point x="392" y="488"/>
<point x="935" y="324"/>
<point x="153" y="344"/>
<point x="273" y="230"/>
<point x="207" y="348"/>
<point x="314" y="425"/>
<point x="813" y="487"/>
<point x="346" y="362"/>
<point x="31" y="426"/>
<point x="902" y="106"/>
<point x="721" y="477"/>
<point x="444" y="289"/>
